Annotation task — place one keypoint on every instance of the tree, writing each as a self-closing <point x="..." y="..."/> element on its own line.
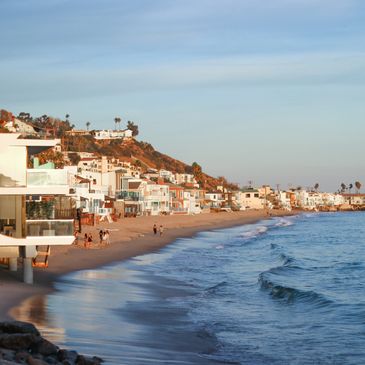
<point x="197" y="172"/>
<point x="117" y="120"/>
<point x="87" y="125"/>
<point x="316" y="186"/>
<point x="350" y="187"/>
<point x="358" y="185"/>
<point x="74" y="158"/>
<point x="343" y="187"/>
<point x="133" y="127"/>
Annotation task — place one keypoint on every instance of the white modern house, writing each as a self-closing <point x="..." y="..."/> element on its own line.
<point x="250" y="199"/>
<point x="28" y="217"/>
<point x="110" y="134"/>
<point x="156" y="199"/>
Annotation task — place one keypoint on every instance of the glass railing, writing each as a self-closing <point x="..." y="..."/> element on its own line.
<point x="54" y="227"/>
<point x="39" y="177"/>
<point x="129" y="195"/>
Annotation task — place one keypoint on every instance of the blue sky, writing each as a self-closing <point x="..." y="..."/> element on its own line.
<point x="269" y="91"/>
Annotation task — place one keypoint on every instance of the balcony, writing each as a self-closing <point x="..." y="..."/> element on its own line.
<point x="47" y="181"/>
<point x="50" y="227"/>
<point x="46" y="177"/>
<point x="129" y="196"/>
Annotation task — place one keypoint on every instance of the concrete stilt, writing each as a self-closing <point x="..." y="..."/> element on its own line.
<point x="28" y="270"/>
<point x="13" y="264"/>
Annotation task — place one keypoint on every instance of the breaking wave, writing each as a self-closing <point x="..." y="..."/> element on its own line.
<point x="291" y="295"/>
<point x="257" y="231"/>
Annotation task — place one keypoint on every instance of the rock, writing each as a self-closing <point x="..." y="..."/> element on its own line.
<point x="84" y="360"/>
<point x="21" y="357"/>
<point x="7" y="354"/>
<point x="51" y="360"/>
<point x="66" y="355"/>
<point x="34" y="361"/>
<point x="7" y="362"/>
<point x="44" y="347"/>
<point x="21" y="343"/>
<point x="17" y="341"/>
<point x="18" y="327"/>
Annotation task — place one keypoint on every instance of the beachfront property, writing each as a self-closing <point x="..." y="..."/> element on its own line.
<point x="249" y="198"/>
<point x="108" y="134"/>
<point x="32" y="213"/>
<point x="215" y="199"/>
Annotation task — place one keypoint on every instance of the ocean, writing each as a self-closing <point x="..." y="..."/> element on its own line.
<point x="282" y="291"/>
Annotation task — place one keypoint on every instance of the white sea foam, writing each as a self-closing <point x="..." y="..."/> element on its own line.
<point x="254" y="232"/>
<point x="284" y="223"/>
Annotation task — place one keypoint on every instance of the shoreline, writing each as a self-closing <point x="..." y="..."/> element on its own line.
<point x="130" y="237"/>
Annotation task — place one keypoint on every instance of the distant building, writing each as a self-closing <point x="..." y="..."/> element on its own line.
<point x="112" y="134"/>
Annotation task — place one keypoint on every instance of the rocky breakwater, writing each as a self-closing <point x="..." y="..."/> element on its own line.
<point x="21" y="343"/>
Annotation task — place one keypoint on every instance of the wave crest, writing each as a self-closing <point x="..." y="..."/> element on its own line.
<point x="291" y="295"/>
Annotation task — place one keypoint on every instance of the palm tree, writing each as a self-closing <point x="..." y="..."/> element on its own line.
<point x="343" y="187"/>
<point x="87" y="125"/>
<point x="117" y="120"/>
<point x="350" y="187"/>
<point x="316" y="186"/>
<point x="67" y="116"/>
<point x="358" y="185"/>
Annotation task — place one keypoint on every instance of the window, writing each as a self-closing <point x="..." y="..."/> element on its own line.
<point x="256" y="195"/>
<point x="248" y="195"/>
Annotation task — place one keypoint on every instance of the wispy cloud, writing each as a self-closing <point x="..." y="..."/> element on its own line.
<point x="300" y="69"/>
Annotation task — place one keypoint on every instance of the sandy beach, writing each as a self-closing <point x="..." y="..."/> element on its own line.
<point x="129" y="237"/>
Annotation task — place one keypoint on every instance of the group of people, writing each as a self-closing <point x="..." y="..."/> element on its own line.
<point x="160" y="229"/>
<point x="88" y="239"/>
<point x="104" y="237"/>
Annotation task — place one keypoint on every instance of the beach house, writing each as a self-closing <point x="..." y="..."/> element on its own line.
<point x="28" y="210"/>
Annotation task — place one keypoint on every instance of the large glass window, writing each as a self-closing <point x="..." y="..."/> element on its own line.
<point x="12" y="216"/>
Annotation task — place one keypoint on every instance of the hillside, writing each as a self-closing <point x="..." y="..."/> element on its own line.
<point x="142" y="153"/>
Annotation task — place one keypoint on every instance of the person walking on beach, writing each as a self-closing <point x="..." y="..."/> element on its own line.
<point x="101" y="234"/>
<point x="161" y="230"/>
<point x="89" y="240"/>
<point x="107" y="237"/>
<point x="154" y="229"/>
<point x="85" y="240"/>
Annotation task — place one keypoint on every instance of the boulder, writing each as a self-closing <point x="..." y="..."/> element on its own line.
<point x="66" y="355"/>
<point x="17" y="341"/>
<point x="44" y="347"/>
<point x="6" y="354"/>
<point x="18" y="327"/>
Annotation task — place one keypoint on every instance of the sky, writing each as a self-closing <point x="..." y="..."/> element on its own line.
<point x="264" y="91"/>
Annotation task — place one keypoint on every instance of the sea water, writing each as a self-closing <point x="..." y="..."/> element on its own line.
<point x="282" y="291"/>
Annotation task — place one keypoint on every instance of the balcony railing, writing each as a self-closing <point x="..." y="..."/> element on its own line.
<point x="50" y="227"/>
<point x="129" y="196"/>
<point x="45" y="177"/>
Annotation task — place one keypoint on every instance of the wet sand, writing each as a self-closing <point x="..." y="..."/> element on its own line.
<point x="129" y="237"/>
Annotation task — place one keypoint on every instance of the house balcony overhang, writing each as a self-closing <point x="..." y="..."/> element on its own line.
<point x="6" y="241"/>
<point x="35" y="190"/>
